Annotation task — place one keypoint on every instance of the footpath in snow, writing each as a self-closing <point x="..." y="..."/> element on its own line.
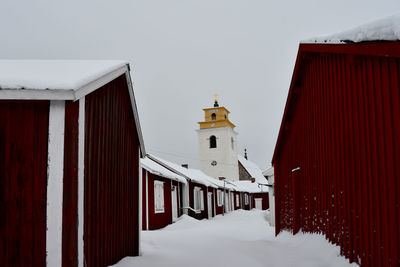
<point x="240" y="238"/>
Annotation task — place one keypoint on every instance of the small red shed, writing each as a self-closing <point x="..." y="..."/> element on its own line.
<point x="336" y="160"/>
<point x="70" y="144"/>
<point x="161" y="196"/>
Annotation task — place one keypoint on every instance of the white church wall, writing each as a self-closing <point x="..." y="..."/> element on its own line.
<point x="224" y="155"/>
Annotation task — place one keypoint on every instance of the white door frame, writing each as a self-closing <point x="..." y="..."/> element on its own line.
<point x="174" y="200"/>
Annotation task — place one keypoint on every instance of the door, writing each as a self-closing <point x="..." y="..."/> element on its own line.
<point x="209" y="204"/>
<point x="174" y="203"/>
<point x="232" y="202"/>
<point x="258" y="202"/>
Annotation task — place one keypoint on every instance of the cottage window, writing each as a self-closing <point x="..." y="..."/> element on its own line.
<point x="237" y="200"/>
<point x="246" y="199"/>
<point x="158" y="197"/>
<point x="213" y="116"/>
<point x="213" y="141"/>
<point x="219" y="198"/>
<point x="198" y="199"/>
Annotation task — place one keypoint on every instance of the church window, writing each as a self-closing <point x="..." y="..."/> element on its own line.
<point x="158" y="196"/>
<point x="232" y="143"/>
<point x="213" y="141"/>
<point x="213" y="116"/>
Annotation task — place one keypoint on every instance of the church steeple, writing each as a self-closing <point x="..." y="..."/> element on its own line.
<point x="216" y="101"/>
<point x="216" y="116"/>
<point x="217" y="143"/>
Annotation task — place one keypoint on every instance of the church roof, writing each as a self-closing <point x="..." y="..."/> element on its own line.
<point x="252" y="169"/>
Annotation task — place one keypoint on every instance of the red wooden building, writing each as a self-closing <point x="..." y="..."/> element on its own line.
<point x="70" y="144"/>
<point x="161" y="195"/>
<point x="337" y="156"/>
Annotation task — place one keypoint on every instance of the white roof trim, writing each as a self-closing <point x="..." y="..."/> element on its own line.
<point x="51" y="94"/>
<point x="135" y="111"/>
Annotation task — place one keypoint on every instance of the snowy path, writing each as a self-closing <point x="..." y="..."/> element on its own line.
<point x="241" y="238"/>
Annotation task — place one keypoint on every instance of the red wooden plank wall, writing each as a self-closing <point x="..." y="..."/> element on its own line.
<point x="70" y="185"/>
<point x="159" y="220"/>
<point x="111" y="215"/>
<point x="265" y="200"/>
<point x="203" y="214"/>
<point x="23" y="180"/>
<point x="343" y="131"/>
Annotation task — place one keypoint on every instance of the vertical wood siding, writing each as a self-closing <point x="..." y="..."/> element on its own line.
<point x="70" y="186"/>
<point x="23" y="176"/>
<point x="265" y="200"/>
<point x="159" y="220"/>
<point x="343" y="131"/>
<point x="203" y="214"/>
<point x="111" y="212"/>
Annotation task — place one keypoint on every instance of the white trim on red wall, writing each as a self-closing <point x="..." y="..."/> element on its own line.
<point x="55" y="172"/>
<point x="81" y="180"/>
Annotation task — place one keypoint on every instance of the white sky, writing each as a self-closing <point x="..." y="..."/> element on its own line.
<point x="184" y="51"/>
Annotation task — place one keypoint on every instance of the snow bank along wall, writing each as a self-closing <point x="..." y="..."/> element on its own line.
<point x="337" y="156"/>
<point x="69" y="174"/>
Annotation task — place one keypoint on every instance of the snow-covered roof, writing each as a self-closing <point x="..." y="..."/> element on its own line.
<point x="192" y="174"/>
<point x="386" y="29"/>
<point x="248" y="186"/>
<point x="56" y="79"/>
<point x="155" y="168"/>
<point x="252" y="169"/>
<point x="269" y="171"/>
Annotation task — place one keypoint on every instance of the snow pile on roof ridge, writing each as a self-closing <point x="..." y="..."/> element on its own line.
<point x="159" y="170"/>
<point x="53" y="74"/>
<point x="385" y="29"/>
<point x="252" y="169"/>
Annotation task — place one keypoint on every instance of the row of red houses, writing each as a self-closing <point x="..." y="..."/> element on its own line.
<point x="170" y="190"/>
<point x="75" y="186"/>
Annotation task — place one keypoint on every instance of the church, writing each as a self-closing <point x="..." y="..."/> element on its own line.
<point x="217" y="148"/>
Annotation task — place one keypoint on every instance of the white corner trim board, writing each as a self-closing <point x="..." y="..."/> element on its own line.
<point x="55" y="171"/>
<point x="140" y="186"/>
<point x="81" y="175"/>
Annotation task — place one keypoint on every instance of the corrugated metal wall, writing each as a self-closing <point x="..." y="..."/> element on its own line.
<point x="343" y="131"/>
<point x="111" y="176"/>
<point x="23" y="180"/>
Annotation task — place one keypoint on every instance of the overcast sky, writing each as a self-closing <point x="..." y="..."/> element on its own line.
<point x="183" y="51"/>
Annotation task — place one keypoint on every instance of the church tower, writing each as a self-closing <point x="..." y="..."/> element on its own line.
<point x="217" y="144"/>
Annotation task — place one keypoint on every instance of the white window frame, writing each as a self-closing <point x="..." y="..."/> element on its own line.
<point x="159" y="197"/>
<point x="219" y="198"/>
<point x="246" y="199"/>
<point x="237" y="200"/>
<point x="198" y="199"/>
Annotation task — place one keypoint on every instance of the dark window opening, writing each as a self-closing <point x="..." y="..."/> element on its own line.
<point x="213" y="141"/>
<point x="213" y="116"/>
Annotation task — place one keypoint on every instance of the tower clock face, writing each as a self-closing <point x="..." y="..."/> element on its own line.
<point x="213" y="163"/>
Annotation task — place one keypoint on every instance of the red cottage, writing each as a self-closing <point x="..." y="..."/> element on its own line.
<point x="70" y="144"/>
<point x="161" y="195"/>
<point x="337" y="157"/>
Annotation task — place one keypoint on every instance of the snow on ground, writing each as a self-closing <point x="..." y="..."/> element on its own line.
<point x="240" y="238"/>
